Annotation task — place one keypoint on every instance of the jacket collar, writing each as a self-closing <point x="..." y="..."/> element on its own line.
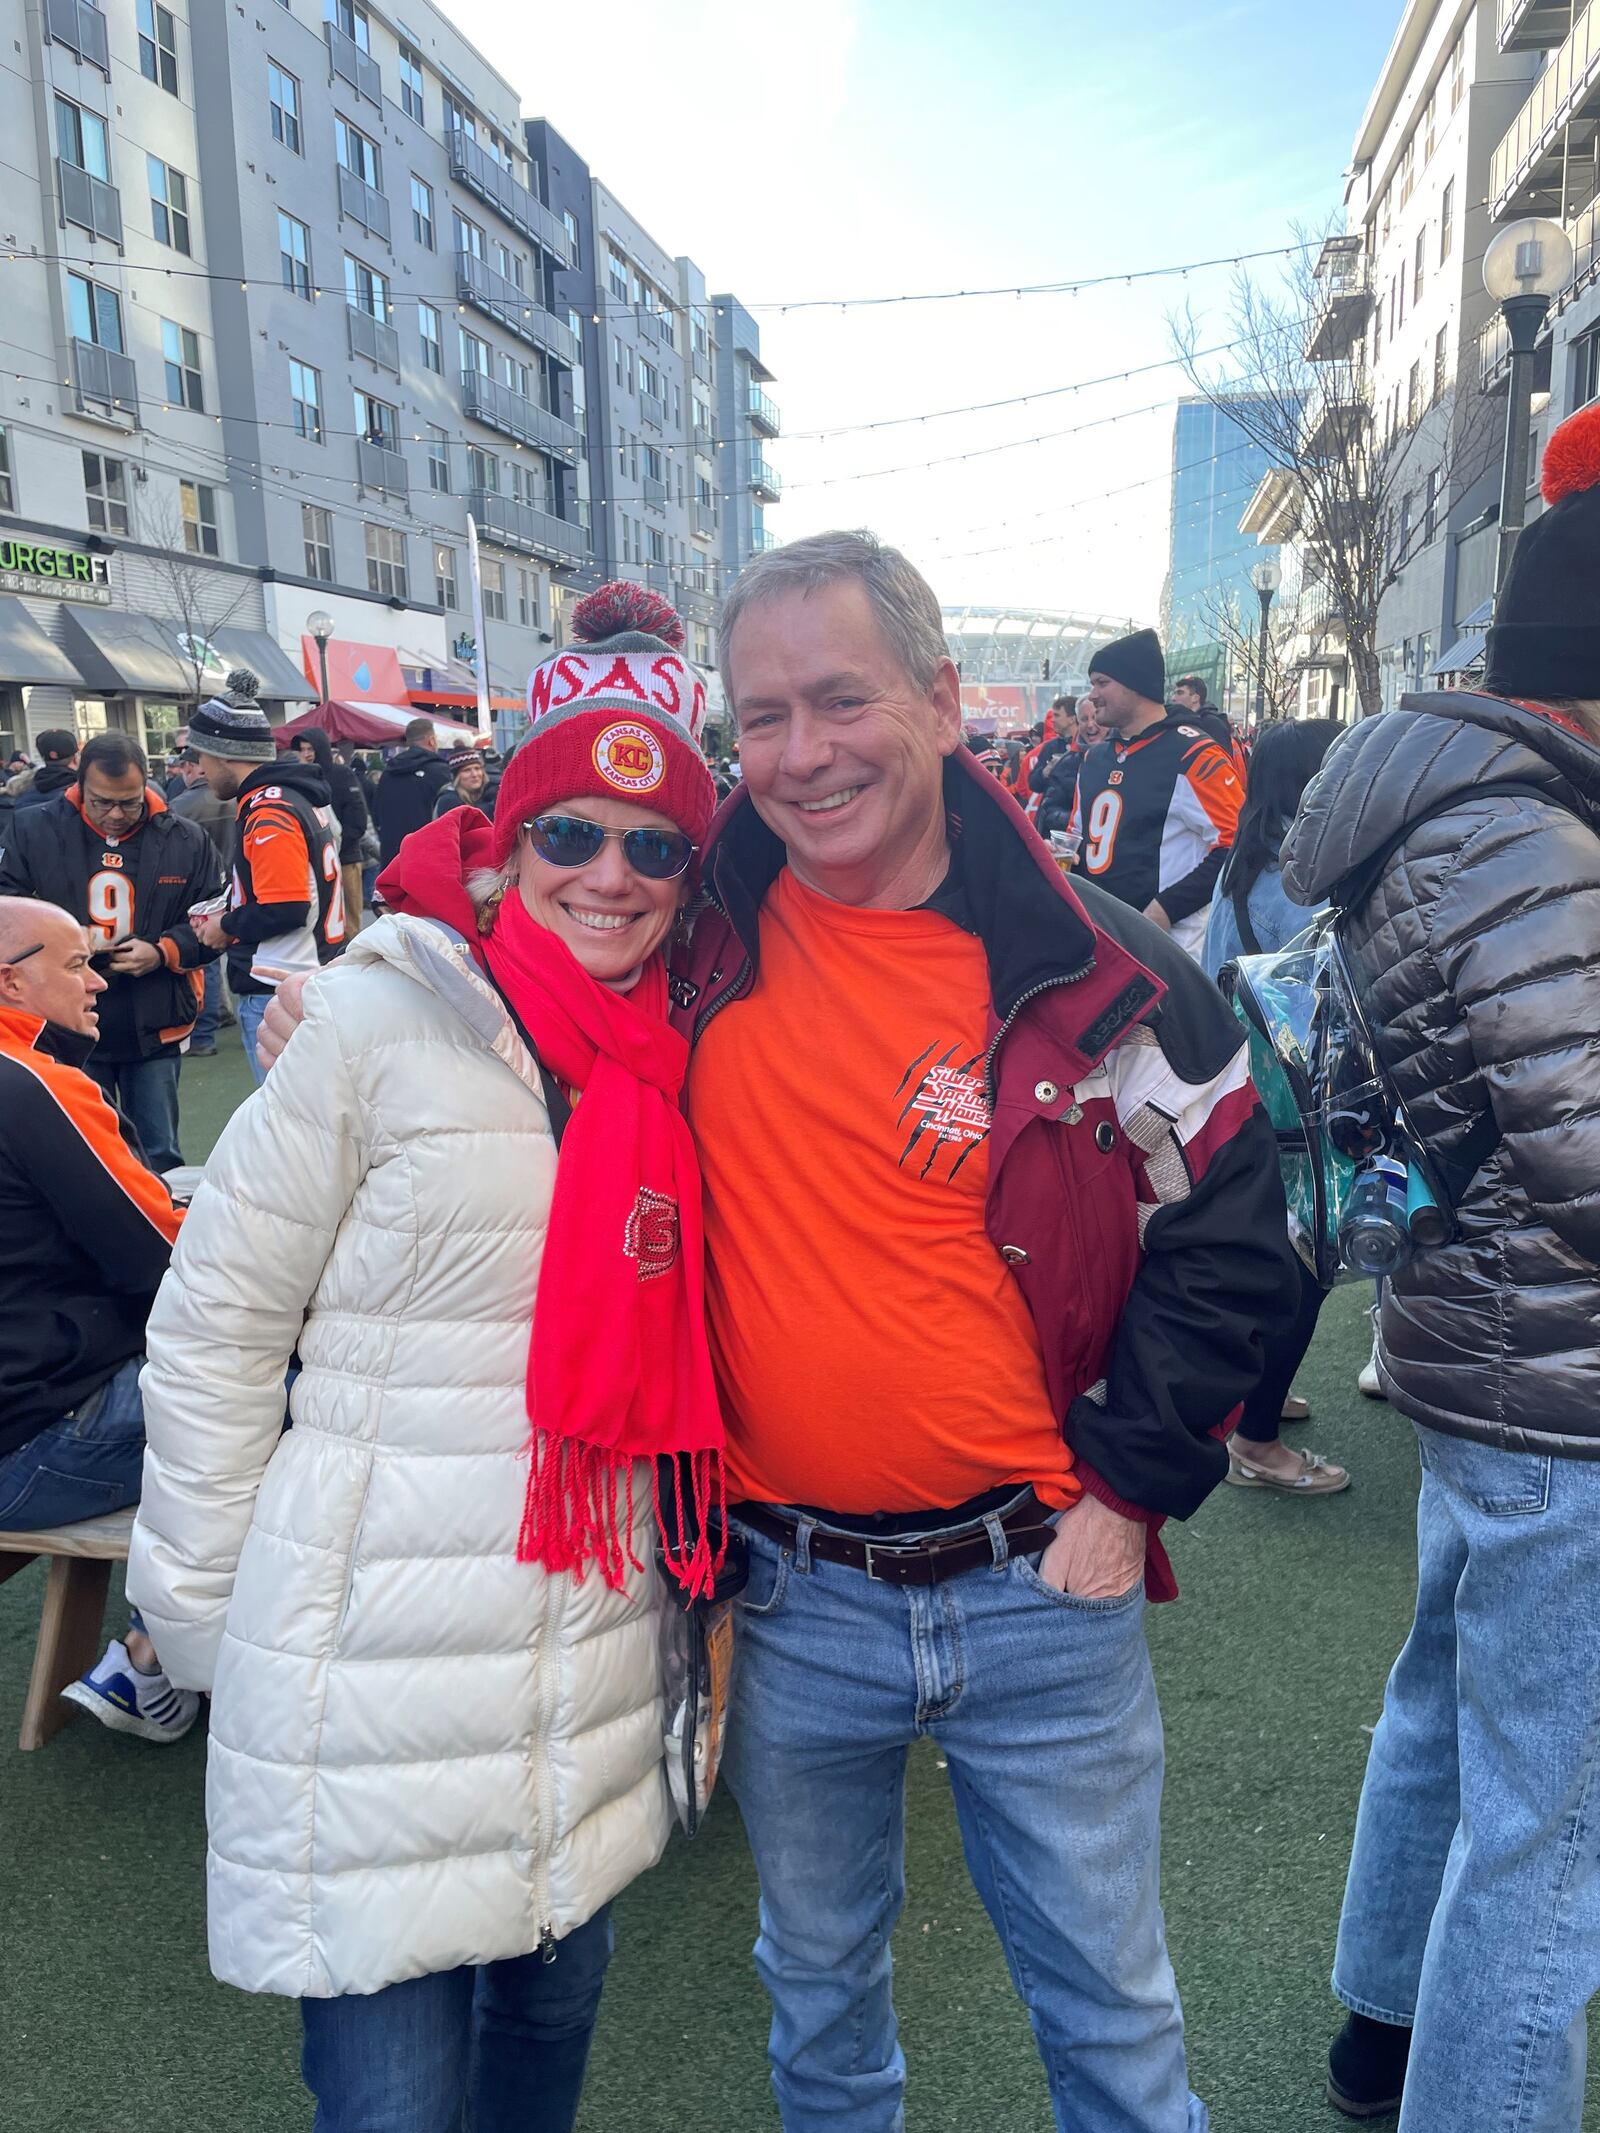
<point x="155" y="803"/>
<point x="20" y="1032"/>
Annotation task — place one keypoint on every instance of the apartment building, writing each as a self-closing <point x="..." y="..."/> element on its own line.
<point x="1404" y="309"/>
<point x="747" y="421"/>
<point x="266" y="363"/>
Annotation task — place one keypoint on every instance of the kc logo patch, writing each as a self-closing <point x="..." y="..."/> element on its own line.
<point x="651" y="1236"/>
<point x="629" y="757"/>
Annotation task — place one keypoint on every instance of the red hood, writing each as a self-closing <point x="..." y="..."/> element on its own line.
<point x="428" y="875"/>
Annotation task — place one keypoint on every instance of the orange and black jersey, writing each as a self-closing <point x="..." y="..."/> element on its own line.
<point x="286" y="912"/>
<point x="1158" y="815"/>
<point x="85" y="1232"/>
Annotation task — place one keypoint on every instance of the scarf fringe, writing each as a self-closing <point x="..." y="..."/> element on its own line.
<point x="571" y="1515"/>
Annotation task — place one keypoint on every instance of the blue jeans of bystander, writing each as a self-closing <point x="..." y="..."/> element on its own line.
<point x="251" y="1007"/>
<point x="146" y="1091"/>
<point x="1045" y="1708"/>
<point x="497" y="2049"/>
<point x="210" y="1015"/>
<point x="1472" y="1909"/>
<point x="83" y="1466"/>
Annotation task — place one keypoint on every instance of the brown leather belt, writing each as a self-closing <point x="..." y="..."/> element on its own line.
<point x="1026" y="1526"/>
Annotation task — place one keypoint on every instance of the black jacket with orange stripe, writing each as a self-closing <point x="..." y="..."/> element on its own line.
<point x="139" y="886"/>
<point x="85" y="1232"/>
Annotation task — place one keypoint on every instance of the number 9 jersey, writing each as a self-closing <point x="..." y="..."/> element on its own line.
<point x="1158" y="815"/>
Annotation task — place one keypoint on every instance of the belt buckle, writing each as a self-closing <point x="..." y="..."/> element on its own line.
<point x="867" y="1550"/>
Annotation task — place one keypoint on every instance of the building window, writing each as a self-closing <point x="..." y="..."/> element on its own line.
<point x="1430" y="508"/>
<point x="1377" y="334"/>
<point x="422" y="212"/>
<point x="444" y="577"/>
<point x="8" y="494"/>
<point x="1447" y="221"/>
<point x="180" y="349"/>
<point x="317" y="527"/>
<point x="1404" y="555"/>
<point x="1458" y="70"/>
<point x="428" y="333"/>
<point x="158" y="45"/>
<point x="492" y="577"/>
<point x="654" y="465"/>
<point x="386" y="563"/>
<point x="483" y="470"/>
<point x="438" y="461"/>
<point x="1586" y="368"/>
<point x="528" y="599"/>
<point x="1414" y="394"/>
<point x="94" y="313"/>
<point x="351" y="17"/>
<point x="569" y="222"/>
<point x="1419" y="267"/>
<point x="366" y="289"/>
<point x="1441" y="362"/>
<point x="411" y="82"/>
<point x="357" y="154"/>
<point x="283" y="100"/>
<point x="105" y="491"/>
<point x="649" y="379"/>
<point x="616" y="274"/>
<point x="469" y="237"/>
<point x="474" y="353"/>
<point x="658" y="545"/>
<point x="377" y="422"/>
<point x="514" y="374"/>
<point x="169" y="204"/>
<point x="305" y="398"/>
<point x="508" y="264"/>
<point x="197" y="501"/>
<point x="82" y="140"/>
<point x="457" y="118"/>
<point x="294" y="255"/>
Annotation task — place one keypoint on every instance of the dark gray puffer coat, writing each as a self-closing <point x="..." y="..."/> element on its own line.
<point x="1477" y="955"/>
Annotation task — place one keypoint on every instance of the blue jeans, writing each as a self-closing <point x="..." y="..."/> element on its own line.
<point x="251" y="1007"/>
<point x="210" y="1015"/>
<point x="83" y="1466"/>
<point x="497" y="2049"/>
<point x="1472" y="1910"/>
<point x="1045" y="1710"/>
<point x="146" y="1092"/>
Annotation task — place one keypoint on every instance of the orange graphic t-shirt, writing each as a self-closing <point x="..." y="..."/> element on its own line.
<point x="872" y="1349"/>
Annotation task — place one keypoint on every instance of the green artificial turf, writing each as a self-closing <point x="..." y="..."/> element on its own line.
<point x="1271" y="1671"/>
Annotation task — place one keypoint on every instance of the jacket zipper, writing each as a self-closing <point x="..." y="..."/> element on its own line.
<point x="731" y="992"/>
<point x="559" y="1590"/>
<point x="1071" y="977"/>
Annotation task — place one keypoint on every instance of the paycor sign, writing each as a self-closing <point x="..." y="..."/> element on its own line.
<point x="51" y="573"/>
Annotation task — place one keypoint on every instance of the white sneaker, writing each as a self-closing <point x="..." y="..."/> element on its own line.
<point x="127" y="1701"/>
<point x="1368" y="1383"/>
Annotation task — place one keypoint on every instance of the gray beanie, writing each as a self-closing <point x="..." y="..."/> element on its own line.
<point x="231" y="725"/>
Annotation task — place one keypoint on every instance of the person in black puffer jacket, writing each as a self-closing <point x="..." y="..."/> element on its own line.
<point x="412" y="781"/>
<point x="1470" y="1940"/>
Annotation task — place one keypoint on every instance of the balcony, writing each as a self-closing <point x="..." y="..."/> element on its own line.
<point x="1525" y="172"/>
<point x="351" y="64"/>
<point x="762" y="542"/>
<point x="372" y="338"/>
<point x="703" y="440"/>
<point x="693" y="600"/>
<point x="362" y="203"/>
<point x="89" y="202"/>
<point x="106" y="381"/>
<point x="700" y="364"/>
<point x="1494" y="357"/>
<point x="513" y="414"/>
<point x="1334" y="411"/>
<point x="655" y="491"/>
<point x="494" y="185"/>
<point x="478" y="284"/>
<point x="81" y="28"/>
<point x="764" y="481"/>
<point x="1273" y="512"/>
<point x="1533" y="25"/>
<point x="380" y="467"/>
<point x="653" y="326"/>
<point x="654" y="411"/>
<point x="763" y="412"/>
<point x="1342" y="300"/>
<point x="704" y="521"/>
<point x="518" y="525"/>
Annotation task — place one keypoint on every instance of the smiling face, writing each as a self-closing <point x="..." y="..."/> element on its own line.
<point x="611" y="918"/>
<point x="842" y="751"/>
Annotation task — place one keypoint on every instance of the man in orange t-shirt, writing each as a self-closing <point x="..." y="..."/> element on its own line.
<point x="994" y="1237"/>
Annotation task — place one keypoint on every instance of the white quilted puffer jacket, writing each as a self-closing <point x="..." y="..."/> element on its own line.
<point x="423" y="1753"/>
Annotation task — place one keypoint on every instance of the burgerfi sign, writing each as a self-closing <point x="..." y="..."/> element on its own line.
<point x="36" y="567"/>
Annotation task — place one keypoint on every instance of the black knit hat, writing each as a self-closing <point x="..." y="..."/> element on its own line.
<point x="1545" y="643"/>
<point x="231" y="726"/>
<point x="1136" y="662"/>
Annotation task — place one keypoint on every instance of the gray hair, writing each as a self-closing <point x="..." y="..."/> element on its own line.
<point x="902" y="599"/>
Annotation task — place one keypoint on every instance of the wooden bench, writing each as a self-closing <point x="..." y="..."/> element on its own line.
<point x="73" y="1615"/>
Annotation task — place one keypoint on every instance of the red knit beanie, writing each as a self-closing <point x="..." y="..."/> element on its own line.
<point x="618" y="714"/>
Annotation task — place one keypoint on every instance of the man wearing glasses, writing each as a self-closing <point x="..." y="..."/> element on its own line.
<point x="110" y="852"/>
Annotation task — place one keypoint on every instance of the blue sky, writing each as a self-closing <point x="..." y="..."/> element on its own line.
<point x="850" y="148"/>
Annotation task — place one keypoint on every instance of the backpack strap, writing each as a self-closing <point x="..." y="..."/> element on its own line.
<point x="555" y="1101"/>
<point x="1239" y="899"/>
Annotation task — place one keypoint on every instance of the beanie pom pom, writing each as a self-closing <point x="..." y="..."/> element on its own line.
<point x="619" y="607"/>
<point x="1572" y="457"/>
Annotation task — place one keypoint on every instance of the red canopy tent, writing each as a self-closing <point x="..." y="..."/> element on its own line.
<point x="364" y="725"/>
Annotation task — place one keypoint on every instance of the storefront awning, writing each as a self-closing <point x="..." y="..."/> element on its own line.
<point x="26" y="653"/>
<point x="281" y="680"/>
<point x="141" y="656"/>
<point x="1469" y="648"/>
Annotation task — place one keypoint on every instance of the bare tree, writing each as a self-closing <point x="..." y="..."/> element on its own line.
<point x="200" y="602"/>
<point x="1349" y="463"/>
<point x="1238" y="635"/>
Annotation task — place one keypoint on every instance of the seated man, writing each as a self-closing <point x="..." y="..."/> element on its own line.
<point x="85" y="1234"/>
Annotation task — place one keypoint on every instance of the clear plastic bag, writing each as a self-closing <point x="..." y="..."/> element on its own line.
<point x="697" y="1661"/>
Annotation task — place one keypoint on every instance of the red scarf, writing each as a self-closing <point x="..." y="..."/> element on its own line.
<point x="619" y="1368"/>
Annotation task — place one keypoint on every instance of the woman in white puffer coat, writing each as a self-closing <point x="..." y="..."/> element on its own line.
<point x="436" y="1738"/>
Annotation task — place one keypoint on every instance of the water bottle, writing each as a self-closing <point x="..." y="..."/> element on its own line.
<point x="1425" y="1218"/>
<point x="1374" y="1235"/>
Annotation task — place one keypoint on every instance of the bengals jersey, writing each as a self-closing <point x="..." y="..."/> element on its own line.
<point x="1158" y="816"/>
<point x="285" y="912"/>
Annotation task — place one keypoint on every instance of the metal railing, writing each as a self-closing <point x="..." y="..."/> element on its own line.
<point x="513" y="201"/>
<point x="1569" y="81"/>
<point x="478" y="283"/>
<point x="1342" y="299"/>
<point x="512" y="413"/>
<point x="700" y="364"/>
<point x="518" y="525"/>
<point x="372" y="338"/>
<point x="81" y="28"/>
<point x="655" y="490"/>
<point x="653" y="325"/>
<point x="762" y="411"/>
<point x="704" y="521"/>
<point x="89" y="202"/>
<point x="1332" y="406"/>
<point x="106" y="379"/>
<point x="378" y="467"/>
<point x="358" y="68"/>
<point x="703" y="440"/>
<point x="652" y="409"/>
<point x="362" y="203"/>
<point x="762" y="542"/>
<point x="763" y="479"/>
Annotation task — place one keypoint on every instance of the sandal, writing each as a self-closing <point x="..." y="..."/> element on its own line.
<point x="1316" y="1476"/>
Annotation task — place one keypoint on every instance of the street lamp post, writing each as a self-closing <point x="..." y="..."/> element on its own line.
<point x="1526" y="265"/>
<point x="320" y="624"/>
<point x="1266" y="578"/>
